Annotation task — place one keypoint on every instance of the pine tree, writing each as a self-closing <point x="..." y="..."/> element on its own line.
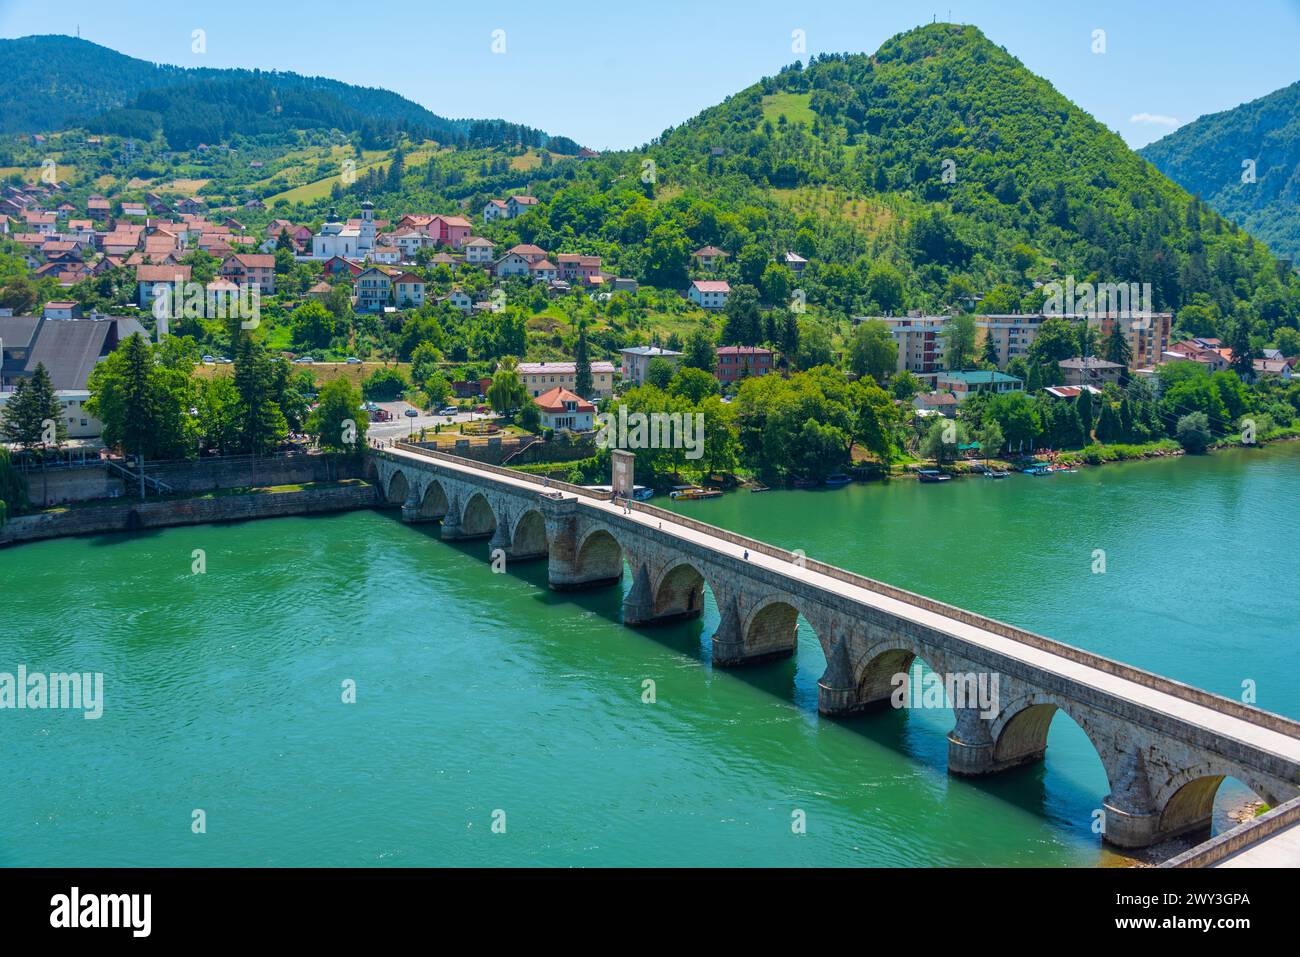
<point x="582" y="364"/>
<point x="1243" y="355"/>
<point x="33" y="417"/>
<point x="262" y="423"/>
<point x="699" y="352"/>
<point x="13" y="488"/>
<point x="989" y="353"/>
<point x="1084" y="405"/>
<point x="1119" y="351"/>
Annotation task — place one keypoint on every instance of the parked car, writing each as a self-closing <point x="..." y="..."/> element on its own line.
<point x="304" y="360"/>
<point x="448" y="410"/>
<point x="208" y="360"/>
<point x="353" y="361"/>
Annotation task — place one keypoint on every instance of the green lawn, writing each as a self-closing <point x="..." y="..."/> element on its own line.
<point x="794" y="106"/>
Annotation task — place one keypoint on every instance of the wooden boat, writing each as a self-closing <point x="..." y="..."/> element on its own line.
<point x="693" y="493"/>
<point x="835" y="481"/>
<point x="759" y="487"/>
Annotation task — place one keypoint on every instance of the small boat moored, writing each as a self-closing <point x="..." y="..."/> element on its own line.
<point x="690" y="493"/>
<point x="934" y="475"/>
<point x="835" y="481"/>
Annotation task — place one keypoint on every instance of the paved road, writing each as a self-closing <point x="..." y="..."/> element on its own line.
<point x="401" y="426"/>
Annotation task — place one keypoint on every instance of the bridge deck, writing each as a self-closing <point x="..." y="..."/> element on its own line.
<point x="1139" y="695"/>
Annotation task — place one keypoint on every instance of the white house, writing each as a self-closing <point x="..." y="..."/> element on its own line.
<point x="511" y="264"/>
<point x="408" y="291"/>
<point x="562" y="409"/>
<point x="461" y="300"/>
<point x="495" y="209"/>
<point x="517" y="205"/>
<point x="478" y="251"/>
<point x="709" y="293"/>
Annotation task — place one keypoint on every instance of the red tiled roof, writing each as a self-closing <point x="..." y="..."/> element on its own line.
<point x="553" y="401"/>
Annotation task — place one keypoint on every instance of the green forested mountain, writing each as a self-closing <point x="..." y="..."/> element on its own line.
<point x="52" y="82"/>
<point x="936" y="168"/>
<point x="1206" y="157"/>
<point x="56" y="82"/>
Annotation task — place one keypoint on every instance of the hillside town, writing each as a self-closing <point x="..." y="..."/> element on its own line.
<point x="207" y="263"/>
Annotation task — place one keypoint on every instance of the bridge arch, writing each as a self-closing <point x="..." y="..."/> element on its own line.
<point x="434" y="504"/>
<point x="599" y="557"/>
<point x="1186" y="801"/>
<point x="478" y="519"/>
<point x="399" y="489"/>
<point x="771" y="628"/>
<point x="528" y="537"/>
<point x="678" y="591"/>
<point x="1019" y="731"/>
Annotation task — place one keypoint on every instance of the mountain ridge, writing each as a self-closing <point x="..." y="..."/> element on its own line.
<point x="55" y="82"/>
<point x="1208" y="155"/>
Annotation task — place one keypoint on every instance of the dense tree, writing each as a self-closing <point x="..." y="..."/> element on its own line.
<point x="507" y="392"/>
<point x="942" y="438"/>
<point x="33" y="417"/>
<point x="699" y="352"/>
<point x="1193" y="432"/>
<point x="659" y="372"/>
<point x="144" y="405"/>
<point x="959" y="342"/>
<point x="262" y="421"/>
<point x="873" y="350"/>
<point x="582" y="365"/>
<point x="313" y="325"/>
<point x="13" y="488"/>
<point x="692" y="384"/>
<point x="338" y="423"/>
<point x="743" y="326"/>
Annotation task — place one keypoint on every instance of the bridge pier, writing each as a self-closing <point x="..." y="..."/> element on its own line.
<point x="971" y="748"/>
<point x="638" y="606"/>
<point x="411" y="510"/>
<point x="501" y="537"/>
<point x="565" y="572"/>
<point x="838" y="691"/>
<point x="451" y="521"/>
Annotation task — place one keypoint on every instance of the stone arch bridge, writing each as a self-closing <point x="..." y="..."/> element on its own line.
<point x="1165" y="746"/>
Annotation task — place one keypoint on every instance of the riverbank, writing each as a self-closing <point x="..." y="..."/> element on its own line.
<point x="224" y="505"/>
<point x="1096" y="454"/>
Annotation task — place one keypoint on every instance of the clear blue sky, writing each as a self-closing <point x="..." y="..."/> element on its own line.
<point x="615" y="74"/>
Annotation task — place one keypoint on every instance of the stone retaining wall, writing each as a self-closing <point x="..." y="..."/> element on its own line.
<point x="133" y="516"/>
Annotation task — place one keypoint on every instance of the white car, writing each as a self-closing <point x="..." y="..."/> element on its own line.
<point x="353" y="361"/>
<point x="304" y="360"/>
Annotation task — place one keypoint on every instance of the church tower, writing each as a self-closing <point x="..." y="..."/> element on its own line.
<point x="366" y="242"/>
